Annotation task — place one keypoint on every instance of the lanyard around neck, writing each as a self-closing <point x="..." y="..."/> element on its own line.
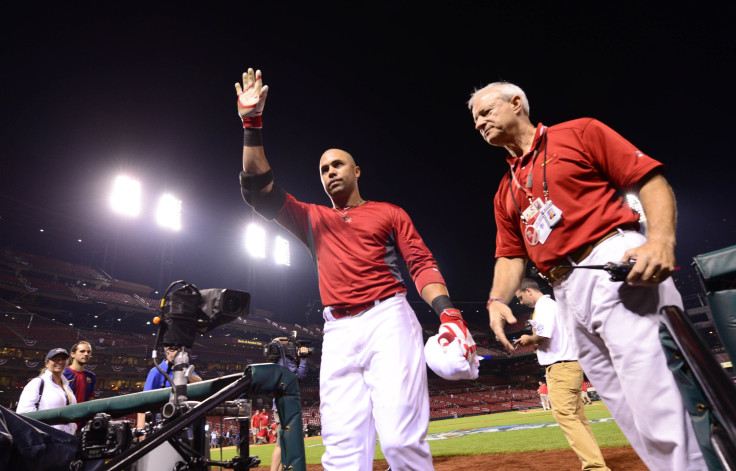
<point x="528" y="189"/>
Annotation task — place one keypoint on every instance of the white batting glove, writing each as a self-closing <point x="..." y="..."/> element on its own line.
<point x="251" y="99"/>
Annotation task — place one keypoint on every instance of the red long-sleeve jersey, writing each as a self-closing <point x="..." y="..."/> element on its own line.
<point x="357" y="252"/>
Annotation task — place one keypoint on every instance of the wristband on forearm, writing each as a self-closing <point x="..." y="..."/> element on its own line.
<point x="253" y="122"/>
<point x="441" y="303"/>
<point x="253" y="137"/>
<point x="490" y="300"/>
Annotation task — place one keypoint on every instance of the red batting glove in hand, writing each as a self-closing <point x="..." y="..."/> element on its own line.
<point x="251" y="99"/>
<point x="455" y="328"/>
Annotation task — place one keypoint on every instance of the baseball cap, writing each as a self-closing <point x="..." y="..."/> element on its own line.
<point x="56" y="351"/>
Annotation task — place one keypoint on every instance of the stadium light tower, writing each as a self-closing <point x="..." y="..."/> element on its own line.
<point x="255" y="241"/>
<point x="126" y="196"/>
<point x="168" y="213"/>
<point x="281" y="252"/>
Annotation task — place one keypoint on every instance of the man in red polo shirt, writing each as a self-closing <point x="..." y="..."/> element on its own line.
<point x="560" y="205"/>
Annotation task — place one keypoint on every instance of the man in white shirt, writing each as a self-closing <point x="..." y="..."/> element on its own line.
<point x="564" y="376"/>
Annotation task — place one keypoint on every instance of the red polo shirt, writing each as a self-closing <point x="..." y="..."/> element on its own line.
<point x="587" y="165"/>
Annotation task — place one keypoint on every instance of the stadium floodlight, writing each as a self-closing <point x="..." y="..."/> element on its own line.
<point x="255" y="241"/>
<point x="281" y="252"/>
<point x="168" y="213"/>
<point x="126" y="196"/>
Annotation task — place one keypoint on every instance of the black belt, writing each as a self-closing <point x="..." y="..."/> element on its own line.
<point x="348" y="311"/>
<point x="561" y="361"/>
<point x="558" y="272"/>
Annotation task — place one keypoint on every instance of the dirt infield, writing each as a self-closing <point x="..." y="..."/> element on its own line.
<point x="618" y="459"/>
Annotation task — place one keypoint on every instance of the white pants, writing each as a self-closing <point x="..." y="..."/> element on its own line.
<point x="615" y="329"/>
<point x="374" y="379"/>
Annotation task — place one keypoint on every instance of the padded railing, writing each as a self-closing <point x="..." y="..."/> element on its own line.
<point x="257" y="379"/>
<point x="717" y="272"/>
<point x="706" y="389"/>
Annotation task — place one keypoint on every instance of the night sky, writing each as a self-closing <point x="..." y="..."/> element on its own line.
<point x="91" y="90"/>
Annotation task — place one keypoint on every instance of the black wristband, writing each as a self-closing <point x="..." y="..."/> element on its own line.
<point x="440" y="303"/>
<point x="253" y="137"/>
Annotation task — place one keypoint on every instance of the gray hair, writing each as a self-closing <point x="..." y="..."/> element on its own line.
<point x="506" y="90"/>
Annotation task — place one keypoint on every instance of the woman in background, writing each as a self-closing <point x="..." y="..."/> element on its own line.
<point x="50" y="389"/>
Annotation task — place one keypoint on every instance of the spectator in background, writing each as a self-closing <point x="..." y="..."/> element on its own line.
<point x="50" y="390"/>
<point x="584" y="393"/>
<point x="255" y="424"/>
<point x="564" y="375"/>
<point x="544" y="396"/>
<point x="81" y="380"/>
<point x="265" y="420"/>
<point x="273" y="436"/>
<point x="262" y="436"/>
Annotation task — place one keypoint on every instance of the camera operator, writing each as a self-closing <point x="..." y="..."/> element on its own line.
<point x="156" y="380"/>
<point x="288" y="353"/>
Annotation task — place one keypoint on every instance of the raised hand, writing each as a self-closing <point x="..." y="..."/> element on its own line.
<point x="251" y="99"/>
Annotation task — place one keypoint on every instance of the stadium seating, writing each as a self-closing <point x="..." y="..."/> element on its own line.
<point x="116" y="321"/>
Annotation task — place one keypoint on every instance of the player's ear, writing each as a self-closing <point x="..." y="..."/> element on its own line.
<point x="357" y="171"/>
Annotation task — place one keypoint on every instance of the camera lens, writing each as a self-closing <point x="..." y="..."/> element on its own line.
<point x="231" y="303"/>
<point x="98" y="424"/>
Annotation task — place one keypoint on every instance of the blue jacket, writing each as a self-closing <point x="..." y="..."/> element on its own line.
<point x="155" y="379"/>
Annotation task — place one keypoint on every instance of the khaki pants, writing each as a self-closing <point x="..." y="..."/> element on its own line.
<point x="564" y="381"/>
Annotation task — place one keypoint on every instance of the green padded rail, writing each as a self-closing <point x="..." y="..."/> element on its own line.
<point x="122" y="405"/>
<point x="717" y="264"/>
<point x="717" y="270"/>
<point x="266" y="378"/>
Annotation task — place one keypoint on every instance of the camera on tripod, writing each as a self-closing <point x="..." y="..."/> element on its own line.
<point x="185" y="312"/>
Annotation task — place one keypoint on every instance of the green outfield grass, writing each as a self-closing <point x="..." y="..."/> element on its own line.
<point x="607" y="434"/>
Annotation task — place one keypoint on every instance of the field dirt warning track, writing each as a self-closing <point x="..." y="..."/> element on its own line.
<point x="619" y="459"/>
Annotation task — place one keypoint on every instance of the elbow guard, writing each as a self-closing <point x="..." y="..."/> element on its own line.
<point x="265" y="204"/>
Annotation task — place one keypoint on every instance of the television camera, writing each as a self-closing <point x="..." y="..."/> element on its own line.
<point x="282" y="348"/>
<point x="185" y="311"/>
